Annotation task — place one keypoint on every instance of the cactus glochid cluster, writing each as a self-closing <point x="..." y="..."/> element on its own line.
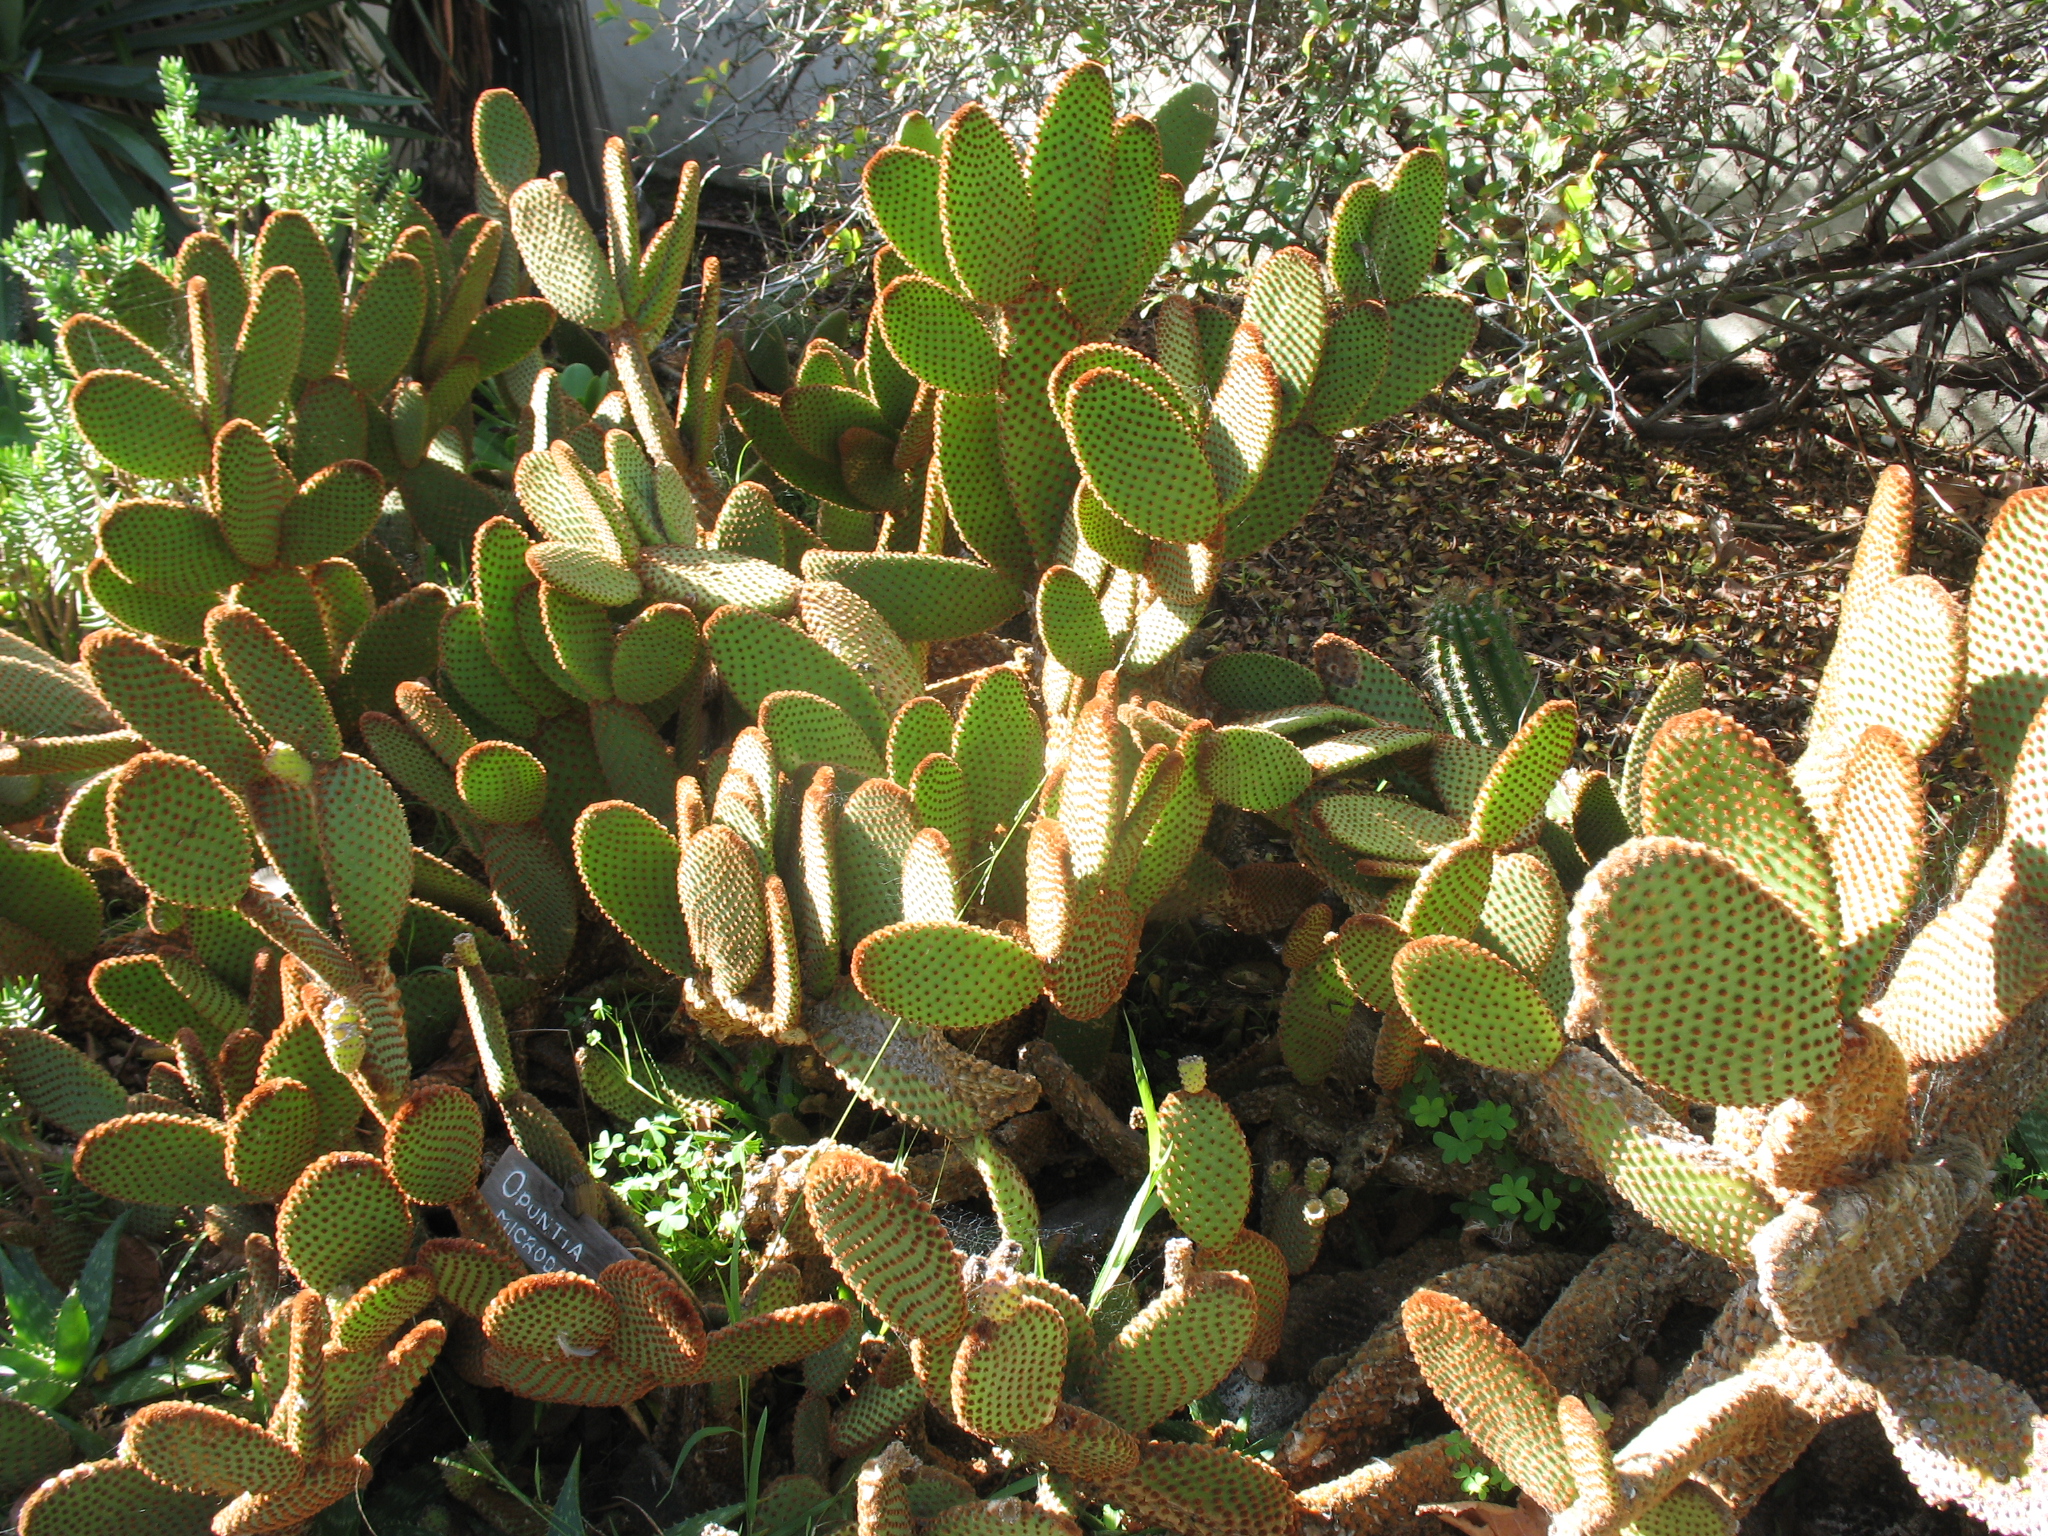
<point x="756" y="740"/>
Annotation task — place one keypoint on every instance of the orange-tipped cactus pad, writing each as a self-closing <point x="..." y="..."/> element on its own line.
<point x="1007" y="1374"/>
<point x="556" y="1316"/>
<point x="946" y="975"/>
<point x="1474" y="1003"/>
<point x="344" y="1222"/>
<point x="893" y="1251"/>
<point x="1205" y="1168"/>
<point x="434" y="1145"/>
<point x="1708" y="985"/>
<point x="197" y="1449"/>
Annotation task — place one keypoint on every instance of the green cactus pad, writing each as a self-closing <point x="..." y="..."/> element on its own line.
<point x="757" y="656"/>
<point x="33" y="1446"/>
<point x="137" y="424"/>
<point x="155" y="1159"/>
<point x="1244" y="418"/>
<point x="1252" y="769"/>
<point x="922" y="597"/>
<point x="1512" y="796"/>
<point x="1315" y="1012"/>
<point x="1088" y="973"/>
<point x="1296" y="474"/>
<point x="946" y="975"/>
<point x="985" y="205"/>
<point x="1141" y="457"/>
<point x="1070" y="622"/>
<point x="1523" y="919"/>
<point x="552" y="1315"/>
<point x="1474" y="1003"/>
<point x="434" y="1145"/>
<point x="44" y="894"/>
<point x="755" y="1344"/>
<point x="1248" y="680"/>
<point x="1498" y="1395"/>
<point x="1431" y="333"/>
<point x="1142" y="222"/>
<point x="1599" y="825"/>
<point x="1713" y="782"/>
<point x="853" y="629"/>
<point x="383" y="327"/>
<point x="966" y="482"/>
<point x="367" y="852"/>
<point x="1386" y="827"/>
<point x="1354" y="677"/>
<point x="911" y="1072"/>
<point x="2007" y="673"/>
<point x="1353" y="750"/>
<point x="1070" y="170"/>
<point x="719" y="885"/>
<point x="58" y="1082"/>
<point x="704" y="579"/>
<point x="274" y="1134"/>
<point x="1205" y="1168"/>
<point x="931" y="880"/>
<point x="938" y="337"/>
<point x="921" y="727"/>
<point x="87" y="342"/>
<point x="1708" y="986"/>
<point x="1206" y="1488"/>
<point x="808" y="730"/>
<point x="1175" y="1350"/>
<point x="884" y="1239"/>
<point x="1082" y="1444"/>
<point x="1407" y="224"/>
<point x="344" y="1222"/>
<point x="902" y="185"/>
<point x="179" y="831"/>
<point x="584" y="574"/>
<point x="167" y="546"/>
<point x="1355" y="357"/>
<point x="661" y="1332"/>
<point x="1007" y="1374"/>
<point x="501" y="783"/>
<point x="1285" y="301"/>
<point x="629" y="863"/>
<point x="594" y="1382"/>
<point x="368" y="1319"/>
<point x="169" y="706"/>
<point x="172" y="616"/>
<point x="561" y="251"/>
<point x="1364" y="956"/>
<point x="94" y="1497"/>
<point x="655" y="653"/>
<point x="467" y="1274"/>
<point x="274" y="687"/>
<point x="1681" y="1183"/>
<point x="197" y="1449"/>
<point x="1451" y="891"/>
<point x="1682" y="689"/>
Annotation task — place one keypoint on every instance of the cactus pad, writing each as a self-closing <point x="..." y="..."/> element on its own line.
<point x="1474" y="1003"/>
<point x="155" y="1159"/>
<point x="344" y="1222"/>
<point x="2007" y="676"/>
<point x="1184" y="1342"/>
<point x="720" y="886"/>
<point x="434" y="1145"/>
<point x="197" y="1449"/>
<point x="59" y="1082"/>
<point x="1206" y="1488"/>
<point x="179" y="831"/>
<point x="1205" y="1168"/>
<point x="1511" y="797"/>
<point x="883" y="1237"/>
<point x="1498" y="1395"/>
<point x="552" y="1316"/>
<point x="1252" y="769"/>
<point x="1708" y="985"/>
<point x="274" y="1134"/>
<point x="947" y="975"/>
<point x="1007" y="1373"/>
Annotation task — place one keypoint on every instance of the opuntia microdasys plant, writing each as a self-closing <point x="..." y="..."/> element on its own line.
<point x="764" y="728"/>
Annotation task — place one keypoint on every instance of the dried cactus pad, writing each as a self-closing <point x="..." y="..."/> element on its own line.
<point x="1205" y="1168"/>
<point x="1709" y="986"/>
<point x="434" y="1145"/>
<point x="197" y="1449"/>
<point x="344" y="1222"/>
<point x="947" y="975"/>
<point x="1207" y="1488"/>
<point x="894" y="1252"/>
<point x="1474" y="1003"/>
<point x="179" y="831"/>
